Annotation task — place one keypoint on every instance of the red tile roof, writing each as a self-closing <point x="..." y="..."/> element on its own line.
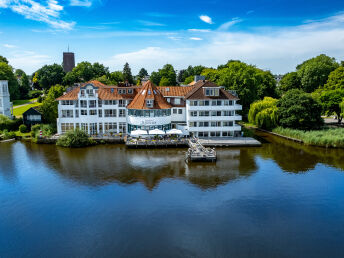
<point x="198" y="93"/>
<point x="149" y="92"/>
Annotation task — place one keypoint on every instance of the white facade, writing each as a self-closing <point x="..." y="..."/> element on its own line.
<point x="201" y="118"/>
<point x="5" y="104"/>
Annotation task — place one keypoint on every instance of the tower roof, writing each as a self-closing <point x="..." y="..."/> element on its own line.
<point x="149" y="92"/>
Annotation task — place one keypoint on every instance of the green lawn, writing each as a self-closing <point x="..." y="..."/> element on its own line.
<point x="18" y="112"/>
<point x="18" y="102"/>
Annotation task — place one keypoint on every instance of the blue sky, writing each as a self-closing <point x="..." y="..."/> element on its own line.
<point x="272" y="34"/>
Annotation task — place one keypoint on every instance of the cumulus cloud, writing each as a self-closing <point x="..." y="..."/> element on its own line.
<point x="206" y="19"/>
<point x="199" y="30"/>
<point x="28" y="61"/>
<point x="33" y="10"/>
<point x="195" y="38"/>
<point x="275" y="49"/>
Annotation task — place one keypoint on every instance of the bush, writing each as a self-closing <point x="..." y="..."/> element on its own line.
<point x="75" y="139"/>
<point x="298" y="110"/>
<point x="35" y="94"/>
<point x="40" y="99"/>
<point x="47" y="130"/>
<point x="10" y="124"/>
<point x="263" y="113"/>
<point x="22" y="128"/>
<point x="8" y="135"/>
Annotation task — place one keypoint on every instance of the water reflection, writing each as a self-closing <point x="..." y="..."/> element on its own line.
<point x="7" y="164"/>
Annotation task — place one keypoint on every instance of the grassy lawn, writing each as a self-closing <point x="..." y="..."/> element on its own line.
<point x="18" y="102"/>
<point x="329" y="137"/>
<point x="18" y="112"/>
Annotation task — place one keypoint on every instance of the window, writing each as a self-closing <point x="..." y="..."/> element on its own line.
<point x="122" y="127"/>
<point x="229" y="134"/>
<point x="212" y="92"/>
<point x="83" y="103"/>
<point x="100" y="113"/>
<point x="168" y="100"/>
<point x="67" y="113"/>
<point x="67" y="102"/>
<point x="84" y="127"/>
<point x="121" y="91"/>
<point x="149" y="103"/>
<point x="149" y="92"/>
<point x="193" y="113"/>
<point x="180" y="111"/>
<point x="216" y="124"/>
<point x="34" y="117"/>
<point x="100" y="127"/>
<point x="76" y="113"/>
<point x="203" y="113"/>
<point x="92" y="103"/>
<point x="99" y="103"/>
<point x="121" y="113"/>
<point x="121" y="103"/>
<point x="110" y="127"/>
<point x="174" y="111"/>
<point x="93" y="112"/>
<point x="203" y="124"/>
<point x="130" y="91"/>
<point x="193" y="124"/>
<point x="82" y="93"/>
<point x="110" y="113"/>
<point x="228" y="113"/>
<point x="177" y="101"/>
<point x="227" y="123"/>
<point x="193" y="103"/>
<point x="90" y="93"/>
<point x="84" y="112"/>
<point x="66" y="127"/>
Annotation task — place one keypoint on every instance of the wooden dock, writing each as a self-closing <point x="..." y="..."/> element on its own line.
<point x="160" y="143"/>
<point x="197" y="152"/>
<point x="230" y="142"/>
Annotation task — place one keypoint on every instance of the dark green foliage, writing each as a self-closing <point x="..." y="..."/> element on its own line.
<point x="9" y="124"/>
<point x="263" y="113"/>
<point x="164" y="82"/>
<point x="190" y="71"/>
<point x="315" y="71"/>
<point x="155" y="78"/>
<point x="75" y="139"/>
<point x="22" y="128"/>
<point x="169" y="75"/>
<point x="24" y="84"/>
<point x="3" y="59"/>
<point x="298" y="110"/>
<point x="189" y="79"/>
<point x="47" y="130"/>
<point x="127" y="76"/>
<point x="142" y="73"/>
<point x="331" y="100"/>
<point x="6" y="135"/>
<point x="34" y="94"/>
<point x="49" y="104"/>
<point x="6" y="73"/>
<point x="335" y="79"/>
<point x="50" y="75"/>
<point x="84" y="72"/>
<point x="289" y="81"/>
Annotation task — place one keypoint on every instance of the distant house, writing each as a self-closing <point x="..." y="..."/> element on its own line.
<point x="32" y="116"/>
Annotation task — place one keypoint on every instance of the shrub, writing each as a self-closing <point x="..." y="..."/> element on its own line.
<point x="10" y="124"/>
<point x="263" y="113"/>
<point x="47" y="130"/>
<point x="298" y="110"/>
<point x="8" y="135"/>
<point x="74" y="139"/>
<point x="22" y="128"/>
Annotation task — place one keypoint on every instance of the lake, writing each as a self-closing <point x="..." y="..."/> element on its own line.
<point x="279" y="200"/>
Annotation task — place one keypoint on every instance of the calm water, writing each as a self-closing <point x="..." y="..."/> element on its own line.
<point x="280" y="200"/>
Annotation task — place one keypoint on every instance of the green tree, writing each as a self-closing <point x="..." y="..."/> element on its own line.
<point x="189" y="79"/>
<point x="315" y="71"/>
<point x="168" y="72"/>
<point x="342" y="108"/>
<point x="263" y="113"/>
<point x="335" y="79"/>
<point x="165" y="82"/>
<point x="181" y="75"/>
<point x="290" y="81"/>
<point x="142" y="73"/>
<point x="127" y="76"/>
<point x="331" y="101"/>
<point x="155" y="78"/>
<point x="211" y="74"/>
<point x="49" y="104"/>
<point x="6" y="73"/>
<point x="99" y="70"/>
<point x="116" y="77"/>
<point x="84" y="71"/>
<point x="3" y="59"/>
<point x="50" y="75"/>
<point x="298" y="110"/>
<point x="70" y="78"/>
<point x="24" y="84"/>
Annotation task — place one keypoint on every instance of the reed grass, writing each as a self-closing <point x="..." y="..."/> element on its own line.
<point x="327" y="137"/>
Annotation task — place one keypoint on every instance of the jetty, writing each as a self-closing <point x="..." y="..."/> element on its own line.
<point x="156" y="143"/>
<point x="230" y="142"/>
<point x="197" y="152"/>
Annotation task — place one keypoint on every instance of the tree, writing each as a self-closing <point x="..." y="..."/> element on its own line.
<point x="298" y="110"/>
<point x="142" y="73"/>
<point x="70" y="78"/>
<point x="263" y="113"/>
<point x="50" y="75"/>
<point x="335" y="79"/>
<point x="155" y="78"/>
<point x="6" y="73"/>
<point x="127" y="76"/>
<point x="49" y="104"/>
<point x="290" y="81"/>
<point x="3" y="59"/>
<point x="169" y="73"/>
<point x="116" y="77"/>
<point x="181" y="75"/>
<point x="249" y="82"/>
<point x="342" y="108"/>
<point x="315" y="71"/>
<point x="165" y="82"/>
<point x="24" y="84"/>
<point x="189" y="79"/>
<point x="84" y="72"/>
<point x="99" y="70"/>
<point x="331" y="101"/>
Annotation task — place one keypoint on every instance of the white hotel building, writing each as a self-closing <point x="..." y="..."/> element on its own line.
<point x="202" y="110"/>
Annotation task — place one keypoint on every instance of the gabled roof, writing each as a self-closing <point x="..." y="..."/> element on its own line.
<point x="198" y="93"/>
<point x="174" y="91"/>
<point x="149" y="92"/>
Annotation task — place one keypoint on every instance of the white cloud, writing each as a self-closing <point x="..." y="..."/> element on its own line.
<point x="28" y="61"/>
<point x="83" y="3"/>
<point x="276" y="49"/>
<point x="33" y="10"/>
<point x="195" y="38"/>
<point x="9" y="46"/>
<point x="206" y="19"/>
<point x="198" y="30"/>
<point x="150" y="23"/>
<point x="229" y="24"/>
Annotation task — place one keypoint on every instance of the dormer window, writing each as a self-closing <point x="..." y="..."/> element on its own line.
<point x="211" y="92"/>
<point x="130" y="91"/>
<point x="149" y="92"/>
<point x="149" y="103"/>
